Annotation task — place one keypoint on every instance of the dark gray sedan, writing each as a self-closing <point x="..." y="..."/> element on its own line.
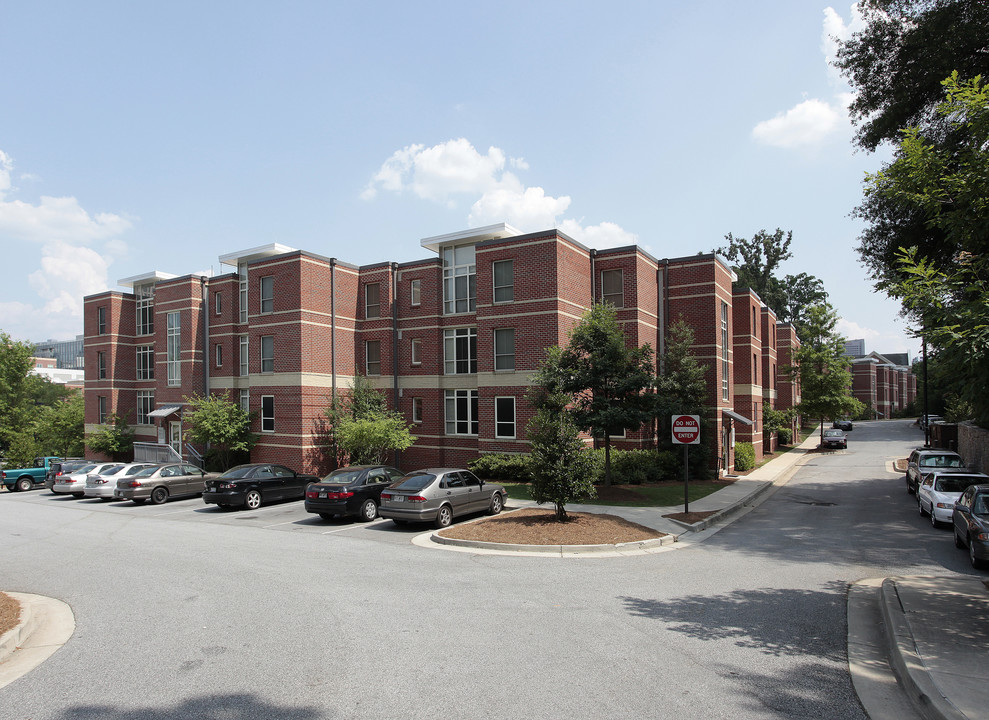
<point x="438" y="495"/>
<point x="158" y="483"/>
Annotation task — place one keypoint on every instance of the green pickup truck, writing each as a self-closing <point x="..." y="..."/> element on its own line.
<point x="28" y="478"/>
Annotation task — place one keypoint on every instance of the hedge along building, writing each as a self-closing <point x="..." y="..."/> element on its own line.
<point x="452" y="340"/>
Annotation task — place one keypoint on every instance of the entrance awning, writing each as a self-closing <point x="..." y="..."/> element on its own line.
<point x="164" y="411"/>
<point x="735" y="416"/>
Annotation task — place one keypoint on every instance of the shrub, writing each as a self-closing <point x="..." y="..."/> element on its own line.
<point x="785" y="436"/>
<point x="634" y="467"/>
<point x="506" y="467"/>
<point x="744" y="456"/>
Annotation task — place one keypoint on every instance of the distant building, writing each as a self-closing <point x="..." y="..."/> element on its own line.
<point x="855" y="348"/>
<point x="48" y="367"/>
<point x="67" y="353"/>
<point x="883" y="381"/>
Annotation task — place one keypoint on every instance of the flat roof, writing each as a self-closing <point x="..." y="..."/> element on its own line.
<point x="145" y="278"/>
<point x="476" y="235"/>
<point x="255" y="253"/>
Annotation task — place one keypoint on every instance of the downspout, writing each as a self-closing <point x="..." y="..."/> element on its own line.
<point x="394" y="340"/>
<point x="593" y="291"/>
<point x="205" y="300"/>
<point x="333" y="331"/>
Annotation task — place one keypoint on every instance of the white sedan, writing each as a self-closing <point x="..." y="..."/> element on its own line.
<point x="74" y="483"/>
<point x="102" y="484"/>
<point x="938" y="492"/>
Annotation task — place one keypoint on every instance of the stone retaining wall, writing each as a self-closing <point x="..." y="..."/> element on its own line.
<point x="973" y="446"/>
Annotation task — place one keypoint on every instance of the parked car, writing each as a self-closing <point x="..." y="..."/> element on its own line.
<point x="842" y="424"/>
<point x="22" y="479"/>
<point x="834" y="439"/>
<point x="74" y="482"/>
<point x="354" y="490"/>
<point x="256" y="483"/>
<point x="938" y="492"/>
<point x="157" y="483"/>
<point x="63" y="467"/>
<point x="924" y="460"/>
<point x="926" y="421"/>
<point x="102" y="485"/>
<point x="439" y="495"/>
<point x="970" y="521"/>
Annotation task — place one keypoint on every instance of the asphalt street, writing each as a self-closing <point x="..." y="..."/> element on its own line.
<point x="187" y="611"/>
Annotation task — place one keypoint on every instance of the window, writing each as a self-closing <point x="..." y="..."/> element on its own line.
<point x="145" y="362"/>
<point x="267" y="413"/>
<point x="417" y="410"/>
<point x="372" y="301"/>
<point x="145" y="404"/>
<point x="267" y="353"/>
<point x="460" y="351"/>
<point x="267" y="294"/>
<point x="219" y="355"/>
<point x="461" y="412"/>
<point x="459" y="280"/>
<point x="245" y="400"/>
<point x="372" y="360"/>
<point x="755" y="369"/>
<point x="173" y="348"/>
<point x="504" y="349"/>
<point x="415" y="292"/>
<point x="724" y="351"/>
<point x="101" y="320"/>
<point x="218" y="303"/>
<point x="102" y="410"/>
<point x="503" y="275"/>
<point x="145" y="309"/>
<point x="612" y="287"/>
<point x="244" y="356"/>
<point x="101" y="365"/>
<point x="242" y="290"/>
<point x="416" y="351"/>
<point x="505" y="417"/>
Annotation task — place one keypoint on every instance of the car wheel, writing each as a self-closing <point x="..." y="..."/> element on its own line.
<point x="444" y="516"/>
<point x="159" y="495"/>
<point x="252" y="501"/>
<point x="934" y="521"/>
<point x="920" y="507"/>
<point x="139" y="501"/>
<point x="496" y="504"/>
<point x="327" y="516"/>
<point x="959" y="543"/>
<point x="369" y="511"/>
<point x="24" y="484"/>
<point x="976" y="562"/>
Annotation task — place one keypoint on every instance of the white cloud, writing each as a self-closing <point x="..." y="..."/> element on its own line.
<point x="604" y="235"/>
<point x="801" y="126"/>
<point x="525" y="208"/>
<point x="854" y="331"/>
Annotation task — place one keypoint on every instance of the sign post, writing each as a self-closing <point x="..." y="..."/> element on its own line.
<point x="686" y="431"/>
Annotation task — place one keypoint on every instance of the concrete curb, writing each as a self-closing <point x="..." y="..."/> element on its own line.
<point x="621" y="548"/>
<point x="45" y="625"/>
<point x="906" y="662"/>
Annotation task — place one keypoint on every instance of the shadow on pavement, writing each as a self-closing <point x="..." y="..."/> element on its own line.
<point x="207" y="707"/>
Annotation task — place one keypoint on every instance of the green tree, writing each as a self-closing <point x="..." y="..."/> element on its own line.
<point x="221" y="425"/>
<point x="682" y="390"/>
<point x="823" y="370"/>
<point x="60" y="428"/>
<point x="15" y="403"/>
<point x="363" y="427"/>
<point x="115" y="440"/>
<point x="606" y="379"/>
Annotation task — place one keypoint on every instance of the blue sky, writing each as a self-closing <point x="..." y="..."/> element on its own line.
<point x="159" y="136"/>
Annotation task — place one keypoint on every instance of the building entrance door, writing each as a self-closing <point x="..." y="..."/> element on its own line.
<point x="175" y="436"/>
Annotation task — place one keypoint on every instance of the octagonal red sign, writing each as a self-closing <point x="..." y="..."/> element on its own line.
<point x="687" y="429"/>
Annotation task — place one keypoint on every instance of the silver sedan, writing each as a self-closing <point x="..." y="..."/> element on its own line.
<point x="438" y="495"/>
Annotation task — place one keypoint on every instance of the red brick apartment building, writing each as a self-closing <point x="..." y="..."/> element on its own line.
<point x="452" y="340"/>
<point x="883" y="382"/>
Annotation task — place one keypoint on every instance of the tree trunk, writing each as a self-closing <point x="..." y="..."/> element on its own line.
<point x="607" y="459"/>
<point x="561" y="512"/>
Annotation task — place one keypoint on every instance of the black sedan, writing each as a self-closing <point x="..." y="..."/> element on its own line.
<point x="354" y="490"/>
<point x="842" y="424"/>
<point x="251" y="485"/>
<point x="970" y="518"/>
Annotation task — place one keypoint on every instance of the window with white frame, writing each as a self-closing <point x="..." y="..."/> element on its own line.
<point x="102" y="412"/>
<point x="417" y="410"/>
<point x="504" y="349"/>
<point x="219" y="355"/>
<point x="461" y="412"/>
<point x="372" y="301"/>
<point x="145" y="320"/>
<point x="372" y="357"/>
<point x="416" y="351"/>
<point x="724" y="351"/>
<point x="460" y="351"/>
<point x="267" y="353"/>
<point x="245" y="400"/>
<point x="173" y="347"/>
<point x="613" y="287"/>
<point x="503" y="278"/>
<point x="145" y="404"/>
<point x="101" y="320"/>
<point x="459" y="280"/>
<point x="218" y="303"/>
<point x="101" y="365"/>
<point x="267" y="413"/>
<point x="268" y="294"/>
<point x="245" y="358"/>
<point x="242" y="290"/>
<point x="505" y="417"/>
<point x="145" y="362"/>
<point x="415" y="292"/>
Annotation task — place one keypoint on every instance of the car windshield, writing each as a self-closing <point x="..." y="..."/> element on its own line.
<point x="113" y="471"/>
<point x="414" y="482"/>
<point x="979" y="506"/>
<point x="954" y="484"/>
<point x="833" y="433"/>
<point x="85" y="469"/>
<point x="344" y="476"/>
<point x="241" y="471"/>
<point x="950" y="461"/>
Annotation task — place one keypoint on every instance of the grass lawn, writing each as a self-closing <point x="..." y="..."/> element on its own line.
<point x="663" y="494"/>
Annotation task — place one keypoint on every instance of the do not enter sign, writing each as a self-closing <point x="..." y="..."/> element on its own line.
<point x="687" y="429"/>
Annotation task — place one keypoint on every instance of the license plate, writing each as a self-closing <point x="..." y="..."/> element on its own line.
<point x="322" y="495"/>
<point x="398" y="498"/>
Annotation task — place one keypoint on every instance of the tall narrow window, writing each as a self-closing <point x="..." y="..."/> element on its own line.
<point x="372" y="365"/>
<point x="415" y="292"/>
<point x="173" y="348"/>
<point x="505" y="417"/>
<point x="417" y="410"/>
<point x="724" y="351"/>
<point x="755" y="369"/>
<point x="145" y="362"/>
<point x="245" y="400"/>
<point x="101" y="320"/>
<point x="459" y="280"/>
<point x="504" y="348"/>
<point x="242" y="290"/>
<point x="102" y="412"/>
<point x="612" y="287"/>
<point x="268" y="294"/>
<point x="219" y="355"/>
<point x="461" y="412"/>
<point x="372" y="301"/>
<point x="145" y="309"/>
<point x="460" y="351"/>
<point x="218" y="303"/>
<point x="145" y="404"/>
<point x="267" y="353"/>
<point x="267" y="413"/>
<point x="101" y="365"/>
<point x="245" y="358"/>
<point x="416" y="351"/>
<point x="503" y="277"/>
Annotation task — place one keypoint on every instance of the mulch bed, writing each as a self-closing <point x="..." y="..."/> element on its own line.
<point x="691" y="517"/>
<point x="534" y="526"/>
<point x="10" y="613"/>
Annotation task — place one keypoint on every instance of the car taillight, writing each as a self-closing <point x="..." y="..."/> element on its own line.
<point x="70" y="480"/>
<point x="134" y="483"/>
<point x="311" y="493"/>
<point x="386" y="496"/>
<point x="226" y="486"/>
<point x="339" y="495"/>
<point x="415" y="498"/>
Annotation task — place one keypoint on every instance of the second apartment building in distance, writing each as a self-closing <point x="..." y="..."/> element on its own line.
<point x="452" y="340"/>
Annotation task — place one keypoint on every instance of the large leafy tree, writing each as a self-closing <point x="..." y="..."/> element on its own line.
<point x="363" y="429"/>
<point x="116" y="439"/>
<point x="607" y="380"/>
<point x="15" y="402"/>
<point x="221" y="424"/>
<point x="681" y="390"/>
<point x="60" y="427"/>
